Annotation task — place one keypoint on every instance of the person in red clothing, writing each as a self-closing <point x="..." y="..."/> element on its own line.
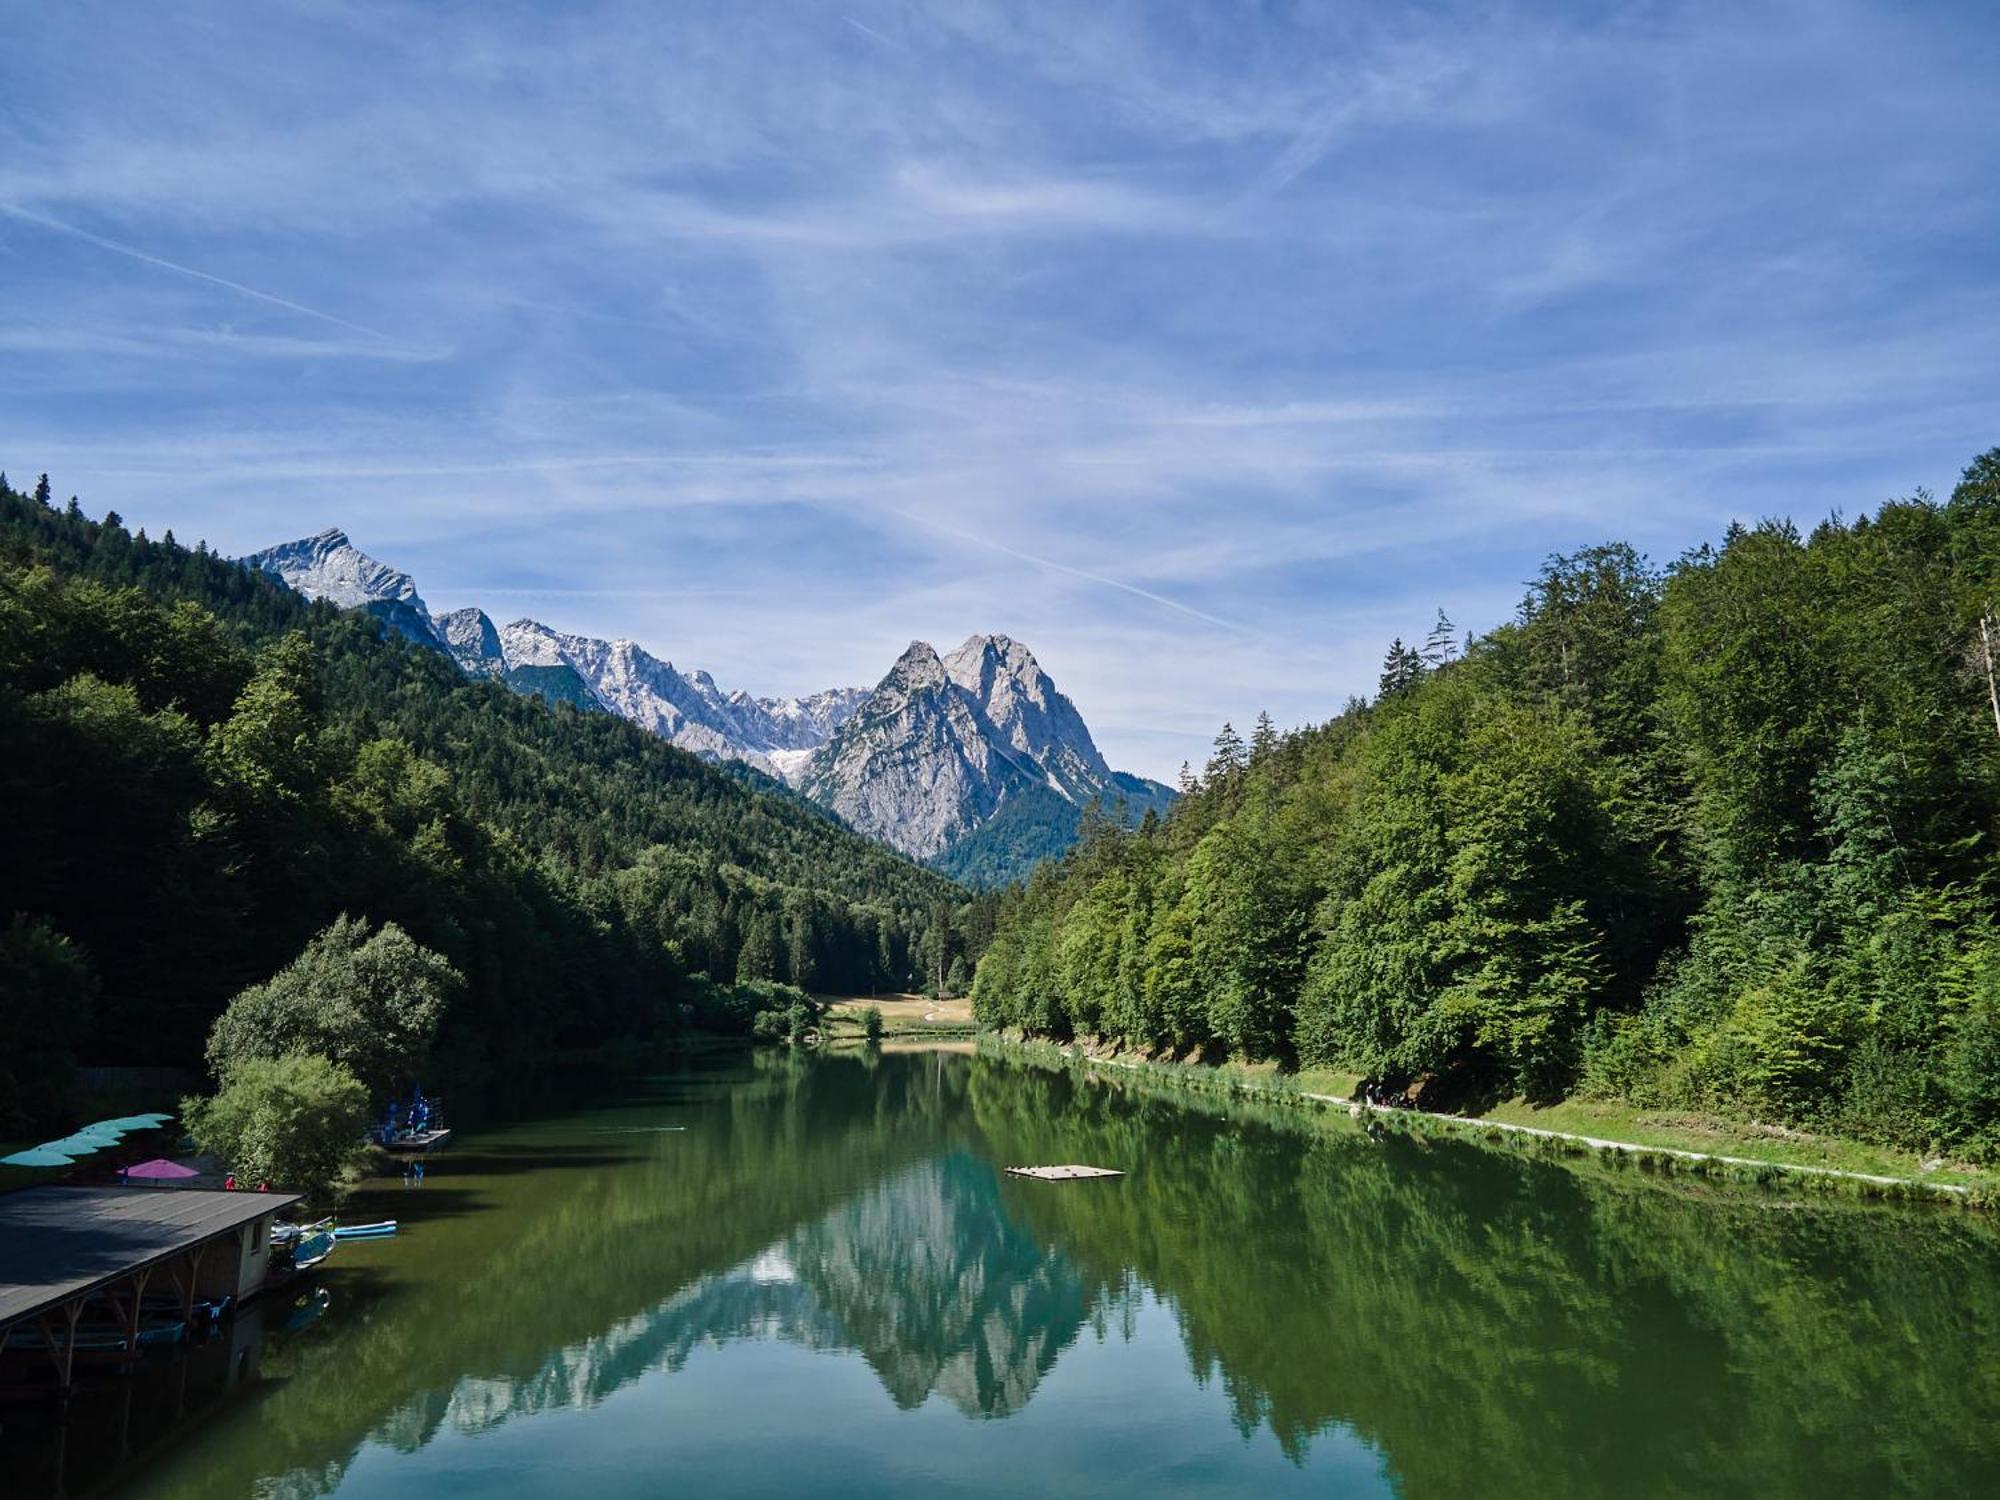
<point x="229" y="1183"/>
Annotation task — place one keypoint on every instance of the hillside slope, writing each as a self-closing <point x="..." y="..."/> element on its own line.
<point x="199" y="768"/>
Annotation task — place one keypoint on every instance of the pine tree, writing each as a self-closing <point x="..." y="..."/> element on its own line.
<point x="1230" y="756"/>
<point x="1189" y="783"/>
<point x="1264" y="738"/>
<point x="1401" y="669"/>
<point x="1440" y="646"/>
<point x="44" y="496"/>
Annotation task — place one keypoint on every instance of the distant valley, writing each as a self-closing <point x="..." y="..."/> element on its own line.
<point x="972" y="761"/>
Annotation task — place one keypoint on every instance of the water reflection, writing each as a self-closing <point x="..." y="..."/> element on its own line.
<point x="1430" y="1318"/>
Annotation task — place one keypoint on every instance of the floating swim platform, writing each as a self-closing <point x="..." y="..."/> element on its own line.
<point x="407" y="1141"/>
<point x="1069" y="1173"/>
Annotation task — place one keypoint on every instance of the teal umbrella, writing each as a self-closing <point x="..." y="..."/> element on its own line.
<point x="36" y="1156"/>
<point x="79" y="1144"/>
<point x="109" y="1130"/>
<point x="131" y="1123"/>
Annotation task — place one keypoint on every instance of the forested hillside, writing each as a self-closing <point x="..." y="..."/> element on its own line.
<point x="199" y="770"/>
<point x="1719" y="835"/>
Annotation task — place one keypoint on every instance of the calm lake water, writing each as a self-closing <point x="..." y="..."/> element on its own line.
<point x="783" y="1275"/>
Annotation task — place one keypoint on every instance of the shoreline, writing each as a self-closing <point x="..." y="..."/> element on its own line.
<point x="1539" y="1140"/>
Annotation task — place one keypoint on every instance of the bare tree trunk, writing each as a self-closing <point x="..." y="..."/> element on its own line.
<point x="1986" y="649"/>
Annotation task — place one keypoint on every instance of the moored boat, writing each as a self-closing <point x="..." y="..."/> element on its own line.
<point x="313" y="1248"/>
<point x="377" y="1231"/>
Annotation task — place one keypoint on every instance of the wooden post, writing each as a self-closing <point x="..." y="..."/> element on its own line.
<point x="130" y="1316"/>
<point x="72" y="1310"/>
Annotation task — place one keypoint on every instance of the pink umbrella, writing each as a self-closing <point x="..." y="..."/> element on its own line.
<point x="159" y="1169"/>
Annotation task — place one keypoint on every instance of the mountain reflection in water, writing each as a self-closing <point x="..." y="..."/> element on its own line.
<point x="825" y="1285"/>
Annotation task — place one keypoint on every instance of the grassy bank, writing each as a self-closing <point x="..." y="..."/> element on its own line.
<point x="904" y="1017"/>
<point x="1621" y="1136"/>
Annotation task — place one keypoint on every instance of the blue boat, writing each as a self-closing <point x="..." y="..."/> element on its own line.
<point x="311" y="1249"/>
<point x="378" y="1231"/>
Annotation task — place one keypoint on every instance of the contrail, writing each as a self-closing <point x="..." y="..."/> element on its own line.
<point x="45" y="222"/>
<point x="1043" y="562"/>
<point x="871" y="31"/>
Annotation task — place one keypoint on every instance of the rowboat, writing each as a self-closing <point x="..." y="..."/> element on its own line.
<point x="312" y="1249"/>
<point x="379" y="1231"/>
<point x="283" y="1233"/>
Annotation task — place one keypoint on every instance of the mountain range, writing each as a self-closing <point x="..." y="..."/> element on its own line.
<point x="974" y="762"/>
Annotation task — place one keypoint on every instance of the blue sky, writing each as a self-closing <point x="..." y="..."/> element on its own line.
<point x="1204" y="348"/>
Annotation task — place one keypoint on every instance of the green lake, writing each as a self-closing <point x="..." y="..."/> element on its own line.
<point x="790" y="1275"/>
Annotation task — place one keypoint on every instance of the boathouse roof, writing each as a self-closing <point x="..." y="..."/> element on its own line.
<point x="57" y="1243"/>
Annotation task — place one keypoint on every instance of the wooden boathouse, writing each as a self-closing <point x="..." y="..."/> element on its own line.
<point x="65" y="1251"/>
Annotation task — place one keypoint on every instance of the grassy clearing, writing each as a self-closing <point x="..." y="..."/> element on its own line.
<point x="904" y="1017"/>
<point x="1682" y="1131"/>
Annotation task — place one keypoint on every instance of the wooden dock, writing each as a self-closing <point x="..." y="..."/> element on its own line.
<point x="1069" y="1173"/>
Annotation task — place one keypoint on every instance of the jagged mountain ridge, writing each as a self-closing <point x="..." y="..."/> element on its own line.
<point x="687" y="708"/>
<point x="973" y="761"/>
<point x="330" y="567"/>
<point x="947" y="745"/>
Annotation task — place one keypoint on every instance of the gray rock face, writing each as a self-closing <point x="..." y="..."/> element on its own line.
<point x="1024" y="709"/>
<point x="945" y="743"/>
<point x="473" y="642"/>
<point x="916" y="765"/>
<point x="937" y="751"/>
<point x="330" y="567"/>
<point x="774" y="734"/>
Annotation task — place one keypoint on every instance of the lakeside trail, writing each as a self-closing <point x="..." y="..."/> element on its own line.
<point x="1356" y="1107"/>
<point x="1360" y="1108"/>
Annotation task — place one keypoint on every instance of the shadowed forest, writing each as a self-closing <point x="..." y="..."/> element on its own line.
<point x="199" y="771"/>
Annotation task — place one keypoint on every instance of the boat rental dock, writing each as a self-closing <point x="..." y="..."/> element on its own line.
<point x="68" y="1251"/>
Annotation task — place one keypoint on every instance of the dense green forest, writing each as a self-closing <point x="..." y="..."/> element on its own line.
<point x="1719" y="835"/>
<point x="1036" y="823"/>
<point x="199" y="771"/>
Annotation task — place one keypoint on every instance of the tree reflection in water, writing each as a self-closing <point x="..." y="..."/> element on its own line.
<point x="1486" y="1324"/>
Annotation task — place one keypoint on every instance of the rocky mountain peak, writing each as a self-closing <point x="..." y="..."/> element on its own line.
<point x="919" y="668"/>
<point x="330" y="567"/>
<point x="469" y="632"/>
<point x="973" y="756"/>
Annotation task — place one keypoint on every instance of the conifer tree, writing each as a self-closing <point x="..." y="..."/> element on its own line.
<point x="1440" y="646"/>
<point x="1401" y="669"/>
<point x="1230" y="755"/>
<point x="1264" y="738"/>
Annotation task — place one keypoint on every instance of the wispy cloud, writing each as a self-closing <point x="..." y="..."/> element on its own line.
<point x="132" y="252"/>
<point x="1203" y="346"/>
<point x="1069" y="571"/>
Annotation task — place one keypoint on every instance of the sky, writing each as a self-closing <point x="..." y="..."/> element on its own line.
<point x="1204" y="348"/>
